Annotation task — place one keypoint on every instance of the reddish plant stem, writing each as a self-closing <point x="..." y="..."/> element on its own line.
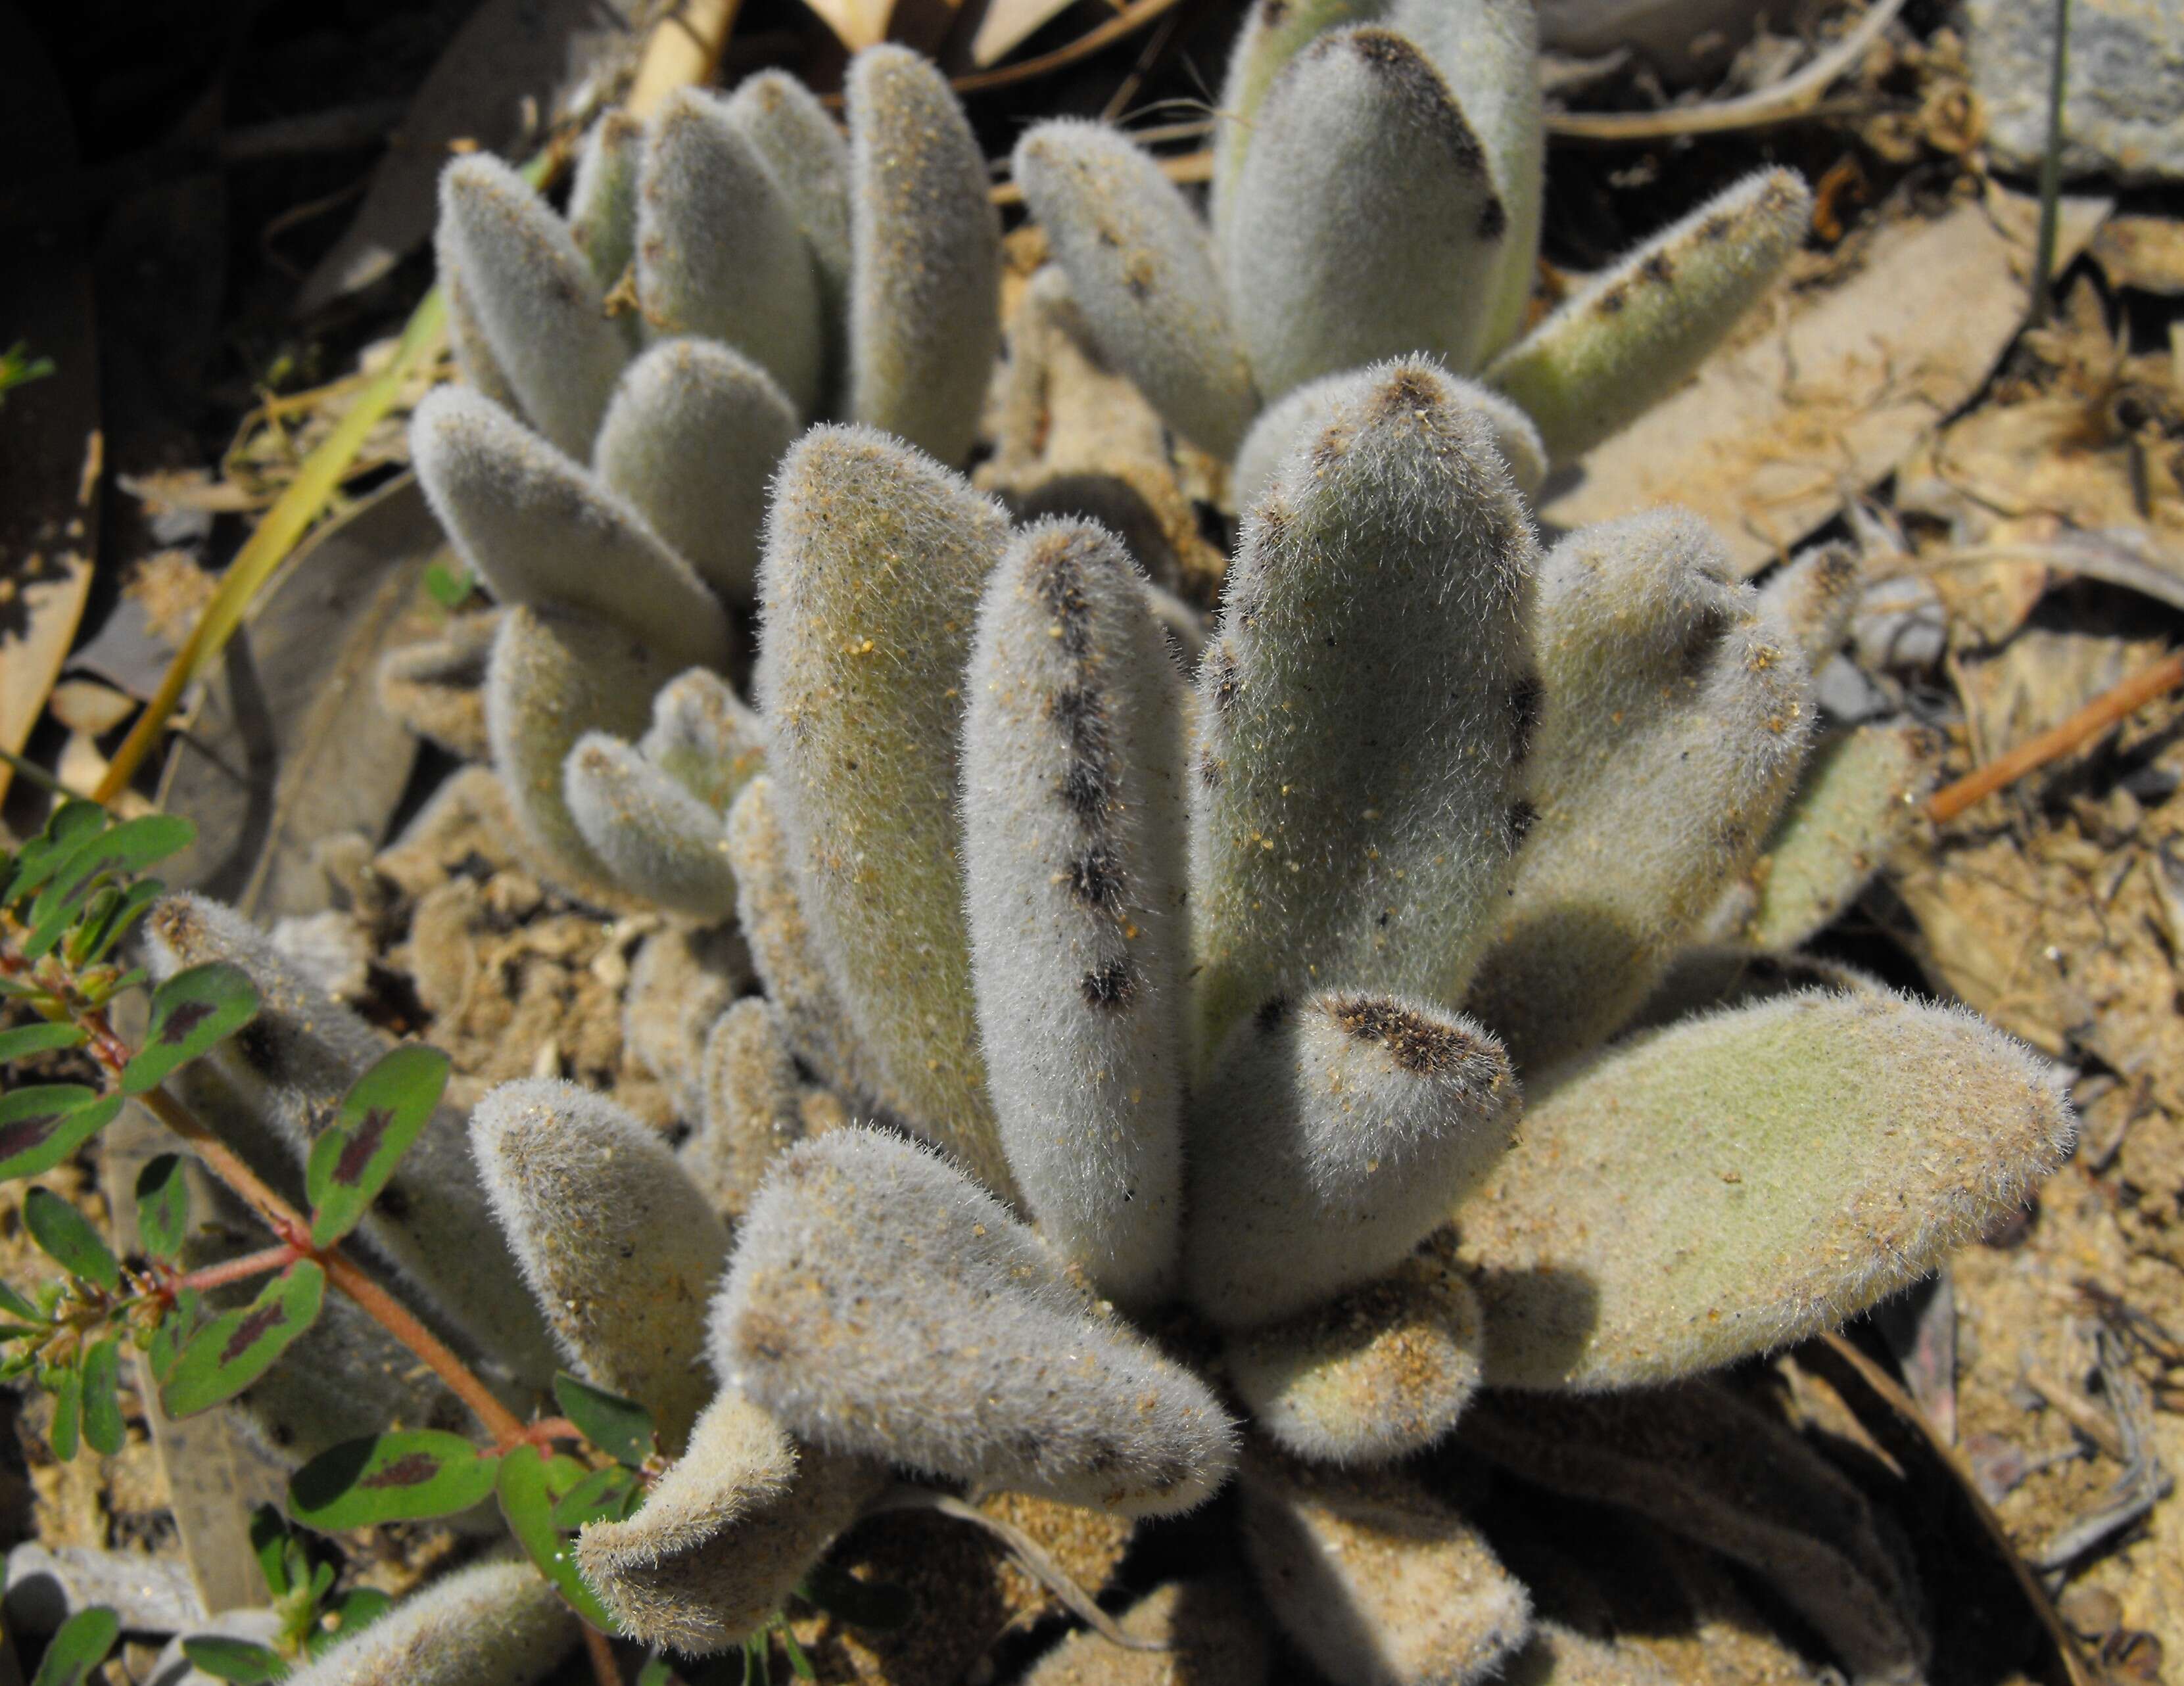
<point x="2133" y="694"/>
<point x="397" y="1319"/>
<point x="605" y="1670"/>
<point x="235" y="1270"/>
<point x="295" y="1232"/>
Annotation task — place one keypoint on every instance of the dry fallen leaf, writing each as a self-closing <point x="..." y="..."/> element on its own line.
<point x="1770" y="437"/>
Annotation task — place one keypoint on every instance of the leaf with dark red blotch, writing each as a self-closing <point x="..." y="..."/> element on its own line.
<point x="234" y="1349"/>
<point x="66" y="1236"/>
<point x="82" y="1643"/>
<point x="43" y="1125"/>
<point x="163" y="1206"/>
<point x="193" y="1012"/>
<point x="380" y="1117"/>
<point x="102" y="1427"/>
<point x="601" y="1495"/>
<point x="526" y="1500"/>
<point x="407" y="1476"/>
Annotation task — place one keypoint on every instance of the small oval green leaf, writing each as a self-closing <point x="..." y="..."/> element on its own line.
<point x="115" y="923"/>
<point x="359" y="1607"/>
<point x="127" y="848"/>
<point x="18" y="1305"/>
<point x="380" y="1117"/>
<point x="275" y="1547"/>
<point x="192" y="1013"/>
<point x="238" y="1661"/>
<point x="67" y="1237"/>
<point x="620" y="1428"/>
<point x="102" y="1427"/>
<point x="163" y="1206"/>
<point x="407" y="1476"/>
<point x="67" y="1385"/>
<point x="38" y="859"/>
<point x="82" y="1643"/>
<point x="28" y="1039"/>
<point x="603" y="1495"/>
<point x="528" y="1503"/>
<point x="234" y="1349"/>
<point x="43" y="1125"/>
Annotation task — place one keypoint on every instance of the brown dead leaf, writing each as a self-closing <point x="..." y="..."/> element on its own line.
<point x="1770" y="437"/>
<point x="288" y="746"/>
<point x="2144" y="253"/>
<point x="1008" y="24"/>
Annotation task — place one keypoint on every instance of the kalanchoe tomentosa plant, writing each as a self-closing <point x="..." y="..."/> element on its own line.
<point x="1376" y="190"/>
<point x="1258" y="1069"/>
<point x="724" y="277"/>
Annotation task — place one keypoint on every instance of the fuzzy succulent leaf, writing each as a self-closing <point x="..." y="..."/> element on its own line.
<point x="1862" y="795"/>
<point x="656" y="840"/>
<point x="1376" y="1580"/>
<point x="1274" y="32"/>
<point x="876" y="558"/>
<point x="1488" y="51"/>
<point x="1814" y="596"/>
<point x="924" y="320"/>
<point x="473" y="352"/>
<point x="496" y="1623"/>
<point x="1374" y="1375"/>
<point x="1631" y="336"/>
<point x="704" y="737"/>
<point x="690" y="440"/>
<point x="1710" y="1466"/>
<point x="790" y="128"/>
<point x="1725" y="975"/>
<point x="617" y="1244"/>
<point x="880" y="1303"/>
<point x="1555" y="1656"/>
<point x="293" y="1063"/>
<point x="1141" y="268"/>
<point x="752" y="1111"/>
<point x="1074" y="840"/>
<point x="1366" y="221"/>
<point x="1673" y="717"/>
<point x="543" y="532"/>
<point x="1304" y="412"/>
<point x="784" y="949"/>
<point x="1212" y="1635"/>
<point x="1332" y="1137"/>
<point x="555" y="675"/>
<point x="603" y="196"/>
<point x="1364" y="710"/>
<point x="533" y="297"/>
<point x="726" y="1534"/>
<point x="1831" y="1150"/>
<point x="719" y="253"/>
